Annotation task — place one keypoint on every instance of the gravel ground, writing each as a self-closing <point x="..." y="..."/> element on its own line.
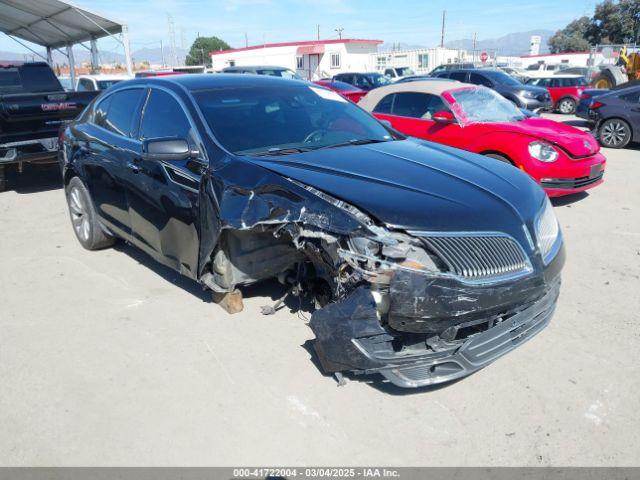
<point x="107" y="358"/>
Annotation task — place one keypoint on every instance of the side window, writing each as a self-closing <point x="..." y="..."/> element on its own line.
<point x="478" y="79"/>
<point x="164" y="117"/>
<point x="122" y="112"/>
<point x="631" y="97"/>
<point x="100" y="111"/>
<point x="460" y="76"/>
<point x="389" y="72"/>
<point x="417" y="105"/>
<point x="361" y="81"/>
<point x="384" y="106"/>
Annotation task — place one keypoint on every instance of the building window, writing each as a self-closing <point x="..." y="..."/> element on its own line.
<point x="232" y="63"/>
<point x="423" y="61"/>
<point x="335" y="60"/>
<point x="382" y="61"/>
<point x="299" y="63"/>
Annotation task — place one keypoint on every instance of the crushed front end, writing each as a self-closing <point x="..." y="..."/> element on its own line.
<point x="431" y="307"/>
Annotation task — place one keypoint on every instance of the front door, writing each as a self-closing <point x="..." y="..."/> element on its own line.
<point x="108" y="145"/>
<point x="314" y="65"/>
<point x="164" y="203"/>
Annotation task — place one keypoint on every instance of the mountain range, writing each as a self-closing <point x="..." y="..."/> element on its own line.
<point x="511" y="44"/>
<point x="151" y="55"/>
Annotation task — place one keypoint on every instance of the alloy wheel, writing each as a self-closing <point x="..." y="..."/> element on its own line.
<point x="79" y="214"/>
<point x="566" y="106"/>
<point x="613" y="133"/>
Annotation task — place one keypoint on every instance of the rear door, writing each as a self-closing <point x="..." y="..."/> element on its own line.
<point x="411" y="113"/>
<point x="163" y="200"/>
<point x="109" y="145"/>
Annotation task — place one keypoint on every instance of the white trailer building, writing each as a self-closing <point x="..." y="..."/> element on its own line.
<point x="312" y="59"/>
<point x="421" y="60"/>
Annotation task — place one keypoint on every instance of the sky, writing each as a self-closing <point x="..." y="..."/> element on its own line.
<point x="415" y="22"/>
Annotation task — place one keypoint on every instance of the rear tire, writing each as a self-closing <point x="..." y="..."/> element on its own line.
<point x="85" y="222"/>
<point x="3" y="178"/>
<point x="567" y="106"/>
<point x="614" y="133"/>
<point x="603" y="80"/>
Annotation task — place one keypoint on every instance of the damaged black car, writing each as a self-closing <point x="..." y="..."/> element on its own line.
<point x="425" y="263"/>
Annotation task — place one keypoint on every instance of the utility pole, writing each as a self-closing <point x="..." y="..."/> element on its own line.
<point x="318" y="32"/>
<point x="246" y="39"/>
<point x="340" y="30"/>
<point x="162" y="54"/>
<point x="475" y="41"/>
<point x="172" y="40"/>
<point x="444" y="20"/>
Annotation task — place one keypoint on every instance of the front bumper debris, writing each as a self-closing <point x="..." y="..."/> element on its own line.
<point x="436" y="330"/>
<point x="349" y="337"/>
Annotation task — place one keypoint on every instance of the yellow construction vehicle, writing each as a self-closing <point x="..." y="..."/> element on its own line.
<point x="614" y="65"/>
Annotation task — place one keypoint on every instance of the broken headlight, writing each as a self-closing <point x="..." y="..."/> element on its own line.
<point x="543" y="151"/>
<point x="548" y="232"/>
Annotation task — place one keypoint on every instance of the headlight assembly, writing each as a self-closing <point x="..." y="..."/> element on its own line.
<point x="527" y="94"/>
<point x="547" y="232"/>
<point x="543" y="151"/>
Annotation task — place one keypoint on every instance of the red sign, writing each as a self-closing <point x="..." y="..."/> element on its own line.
<point x="484" y="56"/>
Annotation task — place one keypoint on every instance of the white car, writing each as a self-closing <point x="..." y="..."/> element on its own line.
<point x="398" y="73"/>
<point x="542" y="70"/>
<point x="92" y="83"/>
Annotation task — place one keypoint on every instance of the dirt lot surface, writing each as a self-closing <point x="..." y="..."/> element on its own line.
<point x="107" y="358"/>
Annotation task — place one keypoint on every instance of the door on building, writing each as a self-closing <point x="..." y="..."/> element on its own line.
<point x="314" y="65"/>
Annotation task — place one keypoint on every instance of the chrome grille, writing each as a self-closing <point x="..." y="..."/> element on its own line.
<point x="479" y="256"/>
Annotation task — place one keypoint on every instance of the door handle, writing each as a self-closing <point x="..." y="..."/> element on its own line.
<point x="133" y="167"/>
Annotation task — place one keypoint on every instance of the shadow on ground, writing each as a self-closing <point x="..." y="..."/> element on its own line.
<point x="34" y="178"/>
<point x="568" y="200"/>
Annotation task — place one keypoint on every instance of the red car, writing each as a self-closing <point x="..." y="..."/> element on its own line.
<point x="561" y="158"/>
<point x="565" y="90"/>
<point x="347" y="91"/>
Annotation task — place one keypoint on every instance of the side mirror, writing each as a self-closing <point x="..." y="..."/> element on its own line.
<point x="443" y="117"/>
<point x="386" y="123"/>
<point x="167" y="149"/>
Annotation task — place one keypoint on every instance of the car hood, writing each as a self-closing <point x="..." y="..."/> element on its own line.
<point x="417" y="185"/>
<point x="576" y="142"/>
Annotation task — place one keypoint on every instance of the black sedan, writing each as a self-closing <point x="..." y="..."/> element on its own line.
<point x="616" y="115"/>
<point x="364" y="81"/>
<point x="522" y="96"/>
<point x="426" y="263"/>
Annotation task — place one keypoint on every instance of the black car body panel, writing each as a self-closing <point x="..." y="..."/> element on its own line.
<point x="418" y="252"/>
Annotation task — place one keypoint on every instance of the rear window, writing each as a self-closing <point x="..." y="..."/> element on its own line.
<point x="9" y="80"/>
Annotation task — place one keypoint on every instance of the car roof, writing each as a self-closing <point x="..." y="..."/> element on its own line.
<point x="255" y="67"/>
<point x="107" y="76"/>
<point x="550" y="77"/>
<point x="207" y="81"/>
<point x="433" y="87"/>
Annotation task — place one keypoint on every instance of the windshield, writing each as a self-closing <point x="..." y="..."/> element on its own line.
<point x="284" y="73"/>
<point x="404" y="72"/>
<point x="501" y="78"/>
<point x="379" y="80"/>
<point x="484" y="105"/>
<point x="263" y="121"/>
<point x="104" y="84"/>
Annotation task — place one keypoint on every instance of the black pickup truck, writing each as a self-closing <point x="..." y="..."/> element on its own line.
<point x="33" y="105"/>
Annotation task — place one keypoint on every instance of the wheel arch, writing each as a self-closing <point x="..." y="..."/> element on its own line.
<point x="502" y="154"/>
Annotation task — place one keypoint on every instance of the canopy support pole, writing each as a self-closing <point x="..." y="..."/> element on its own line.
<point x="95" y="61"/>
<point x="127" y="49"/>
<point x="72" y="65"/>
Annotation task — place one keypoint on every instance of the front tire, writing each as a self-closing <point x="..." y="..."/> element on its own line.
<point x="614" y="133"/>
<point x="84" y="219"/>
<point x="500" y="158"/>
<point x="567" y="106"/>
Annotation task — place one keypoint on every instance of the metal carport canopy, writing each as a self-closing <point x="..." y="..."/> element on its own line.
<point x="54" y="24"/>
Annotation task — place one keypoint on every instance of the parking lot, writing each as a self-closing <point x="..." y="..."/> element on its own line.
<point x="107" y="358"/>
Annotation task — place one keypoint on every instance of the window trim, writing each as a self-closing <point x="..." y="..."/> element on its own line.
<point x="299" y="62"/>
<point x="332" y="56"/>
<point x="138" y="112"/>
